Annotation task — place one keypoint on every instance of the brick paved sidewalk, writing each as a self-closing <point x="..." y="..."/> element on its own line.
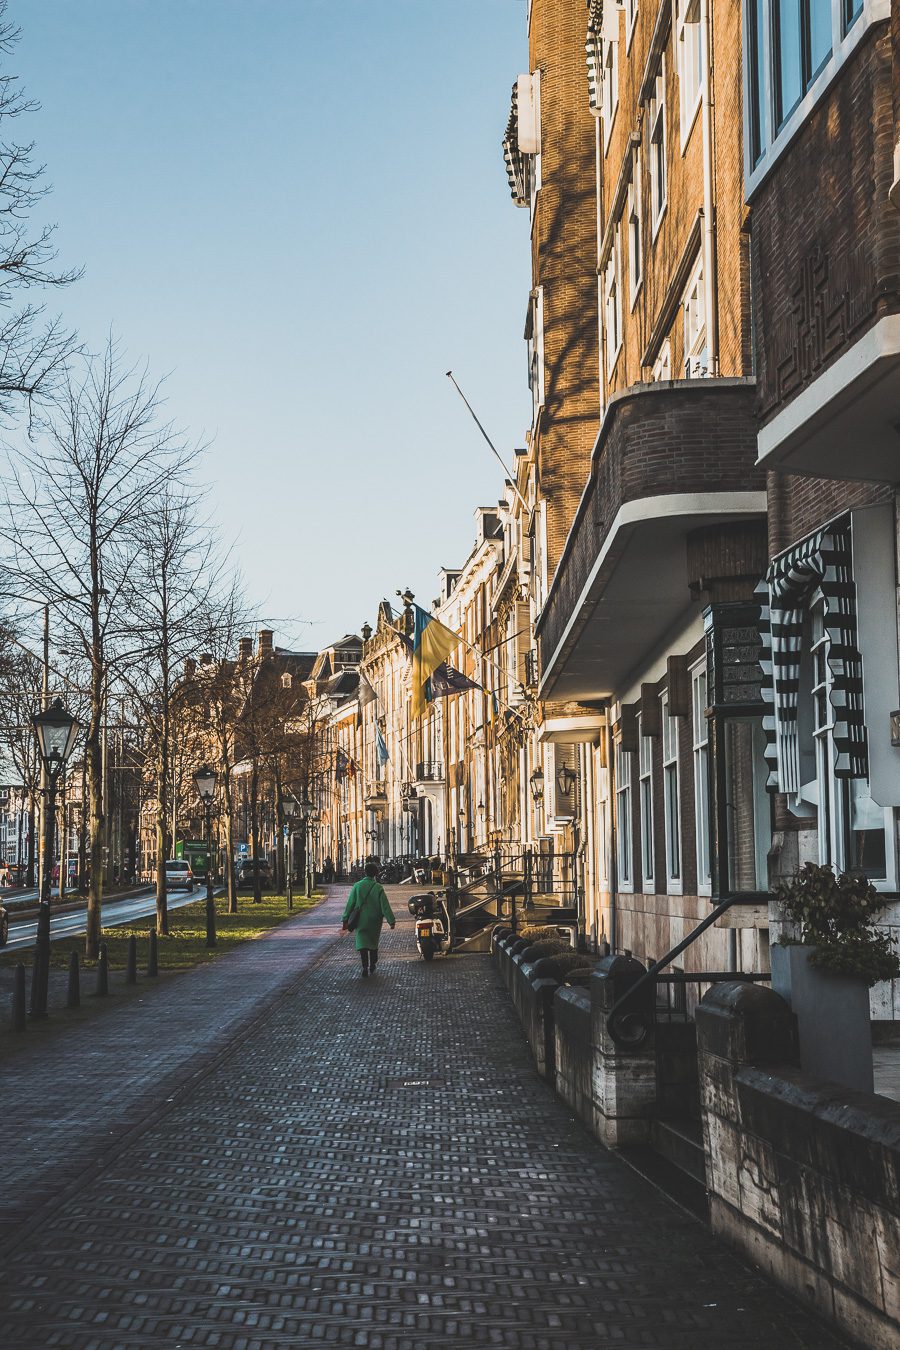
<point x="298" y="1193"/>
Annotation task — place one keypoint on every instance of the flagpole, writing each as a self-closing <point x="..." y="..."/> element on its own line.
<point x="510" y="476"/>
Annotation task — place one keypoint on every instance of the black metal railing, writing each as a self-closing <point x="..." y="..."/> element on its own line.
<point x="678" y="992"/>
<point x="532" y="673"/>
<point x="429" y="771"/>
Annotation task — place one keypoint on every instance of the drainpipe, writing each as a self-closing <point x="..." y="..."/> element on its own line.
<point x="612" y="868"/>
<point x="710" y="269"/>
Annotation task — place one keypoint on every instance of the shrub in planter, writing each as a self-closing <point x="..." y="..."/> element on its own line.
<point x="539" y="932"/>
<point x="835" y="915"/>
<point x="546" y="948"/>
<point x="568" y="967"/>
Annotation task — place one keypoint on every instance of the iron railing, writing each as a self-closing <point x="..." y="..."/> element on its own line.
<point x="430" y="771"/>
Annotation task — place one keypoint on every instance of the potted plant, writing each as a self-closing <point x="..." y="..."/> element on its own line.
<point x="829" y="956"/>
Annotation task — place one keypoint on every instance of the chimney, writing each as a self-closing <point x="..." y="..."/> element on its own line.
<point x="190" y="665"/>
<point x="245" y="649"/>
<point x="266" y="642"/>
<point x="206" y="659"/>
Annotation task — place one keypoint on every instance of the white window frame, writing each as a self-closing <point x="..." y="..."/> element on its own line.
<point x="689" y="46"/>
<point x="775" y="140"/>
<point x="631" y="13"/>
<point x="624" y="819"/>
<point x="602" y="845"/>
<point x="645" y="780"/>
<point x="536" y="372"/>
<point x="672" y="801"/>
<point x="612" y="302"/>
<point x="693" y="308"/>
<point x="834" y="795"/>
<point x="635" y="217"/>
<point x="657" y="136"/>
<point x="700" y="748"/>
<point x="610" y="96"/>
<point x="662" y="366"/>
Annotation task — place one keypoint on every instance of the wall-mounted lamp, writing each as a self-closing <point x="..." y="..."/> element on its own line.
<point x="537" y="785"/>
<point x="565" y="779"/>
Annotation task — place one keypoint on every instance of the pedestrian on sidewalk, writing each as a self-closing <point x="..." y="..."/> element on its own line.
<point x="369" y="898"/>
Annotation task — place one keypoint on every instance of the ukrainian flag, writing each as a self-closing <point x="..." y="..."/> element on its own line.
<point x="432" y="644"/>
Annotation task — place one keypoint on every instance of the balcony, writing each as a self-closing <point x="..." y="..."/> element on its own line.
<point x="673" y="461"/>
<point x="429" y="771"/>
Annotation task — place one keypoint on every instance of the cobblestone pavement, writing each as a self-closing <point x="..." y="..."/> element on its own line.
<point x="374" y="1163"/>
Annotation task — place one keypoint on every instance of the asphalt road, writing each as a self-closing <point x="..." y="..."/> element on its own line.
<point x="22" y="932"/>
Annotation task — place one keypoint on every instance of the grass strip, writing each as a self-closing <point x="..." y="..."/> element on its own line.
<point x="185" y="945"/>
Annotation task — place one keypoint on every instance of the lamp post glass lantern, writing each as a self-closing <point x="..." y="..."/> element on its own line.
<point x="56" y="730"/>
<point x="205" y="779"/>
<point x="537" y="785"/>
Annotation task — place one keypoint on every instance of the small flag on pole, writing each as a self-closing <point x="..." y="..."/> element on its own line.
<point x="341" y="765"/>
<point x="381" y="750"/>
<point x="447" y="680"/>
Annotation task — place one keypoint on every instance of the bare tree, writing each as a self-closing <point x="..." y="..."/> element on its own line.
<point x="75" y="505"/>
<point x="34" y="349"/>
<point x="172" y="580"/>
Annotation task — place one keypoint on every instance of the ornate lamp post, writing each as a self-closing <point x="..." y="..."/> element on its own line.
<point x="205" y="779"/>
<point x="288" y="810"/>
<point x="56" y="730"/>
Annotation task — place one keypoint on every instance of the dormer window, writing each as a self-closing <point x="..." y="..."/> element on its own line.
<point x="287" y="680"/>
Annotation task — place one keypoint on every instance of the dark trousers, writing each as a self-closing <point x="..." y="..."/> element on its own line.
<point x="369" y="957"/>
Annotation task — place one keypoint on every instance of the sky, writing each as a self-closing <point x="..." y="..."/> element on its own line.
<point x="297" y="212"/>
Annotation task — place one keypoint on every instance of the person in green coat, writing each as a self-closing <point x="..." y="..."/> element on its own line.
<point x="369" y="897"/>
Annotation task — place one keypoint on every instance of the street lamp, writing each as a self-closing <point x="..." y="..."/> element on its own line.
<point x="564" y="779"/>
<point x="205" y="779"/>
<point x="56" y="730"/>
<point x="537" y="785"/>
<point x="288" y="809"/>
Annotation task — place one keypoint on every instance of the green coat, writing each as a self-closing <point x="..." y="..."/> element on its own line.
<point x="375" y="909"/>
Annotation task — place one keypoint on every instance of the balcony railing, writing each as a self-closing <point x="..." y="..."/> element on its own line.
<point x="532" y="675"/>
<point x="430" y="771"/>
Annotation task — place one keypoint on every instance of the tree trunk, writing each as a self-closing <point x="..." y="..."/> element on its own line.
<point x="227" y="803"/>
<point x="29" y="874"/>
<point x="254" y="829"/>
<point x="82" y="831"/>
<point x="94" y="753"/>
<point x="162" y="838"/>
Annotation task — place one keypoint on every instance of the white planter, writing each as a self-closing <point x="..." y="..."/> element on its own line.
<point x="832" y="1014"/>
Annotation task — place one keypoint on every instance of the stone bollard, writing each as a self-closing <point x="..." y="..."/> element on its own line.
<point x="152" y="955"/>
<point x="19" y="1018"/>
<point x="73" y="998"/>
<point x="102" y="972"/>
<point x="131" y="961"/>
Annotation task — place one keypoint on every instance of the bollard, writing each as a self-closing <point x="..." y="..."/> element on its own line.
<point x="19" y="1019"/>
<point x="73" y="999"/>
<point x="152" y="966"/>
<point x="131" y="961"/>
<point x="102" y="972"/>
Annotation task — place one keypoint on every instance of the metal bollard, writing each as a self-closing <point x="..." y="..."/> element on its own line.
<point x="19" y="1019"/>
<point x="73" y="998"/>
<point x="102" y="972"/>
<point x="131" y="961"/>
<point x="152" y="963"/>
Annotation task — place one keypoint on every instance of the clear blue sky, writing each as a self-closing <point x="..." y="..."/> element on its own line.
<point x="299" y="209"/>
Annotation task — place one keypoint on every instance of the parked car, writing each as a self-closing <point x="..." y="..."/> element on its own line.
<point x="245" y="874"/>
<point x="4" y="925"/>
<point x="179" y="876"/>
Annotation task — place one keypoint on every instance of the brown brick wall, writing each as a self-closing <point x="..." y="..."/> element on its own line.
<point x="826" y="239"/>
<point x="662" y="255"/>
<point x="807" y="503"/>
<point x="564" y="261"/>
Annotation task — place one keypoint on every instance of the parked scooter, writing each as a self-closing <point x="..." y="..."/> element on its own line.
<point x="432" y="922"/>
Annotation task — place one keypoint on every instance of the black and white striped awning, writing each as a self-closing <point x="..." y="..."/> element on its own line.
<point x="512" y="155"/>
<point x="593" y="47"/>
<point x="820" y="565"/>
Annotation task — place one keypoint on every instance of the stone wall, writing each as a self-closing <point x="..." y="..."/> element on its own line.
<point x="803" y="1176"/>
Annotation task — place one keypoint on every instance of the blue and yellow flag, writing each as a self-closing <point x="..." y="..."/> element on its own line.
<point x="432" y="644"/>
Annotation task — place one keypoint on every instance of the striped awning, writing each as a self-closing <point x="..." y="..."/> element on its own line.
<point x="512" y="155"/>
<point x="820" y="565"/>
<point x="593" y="47"/>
